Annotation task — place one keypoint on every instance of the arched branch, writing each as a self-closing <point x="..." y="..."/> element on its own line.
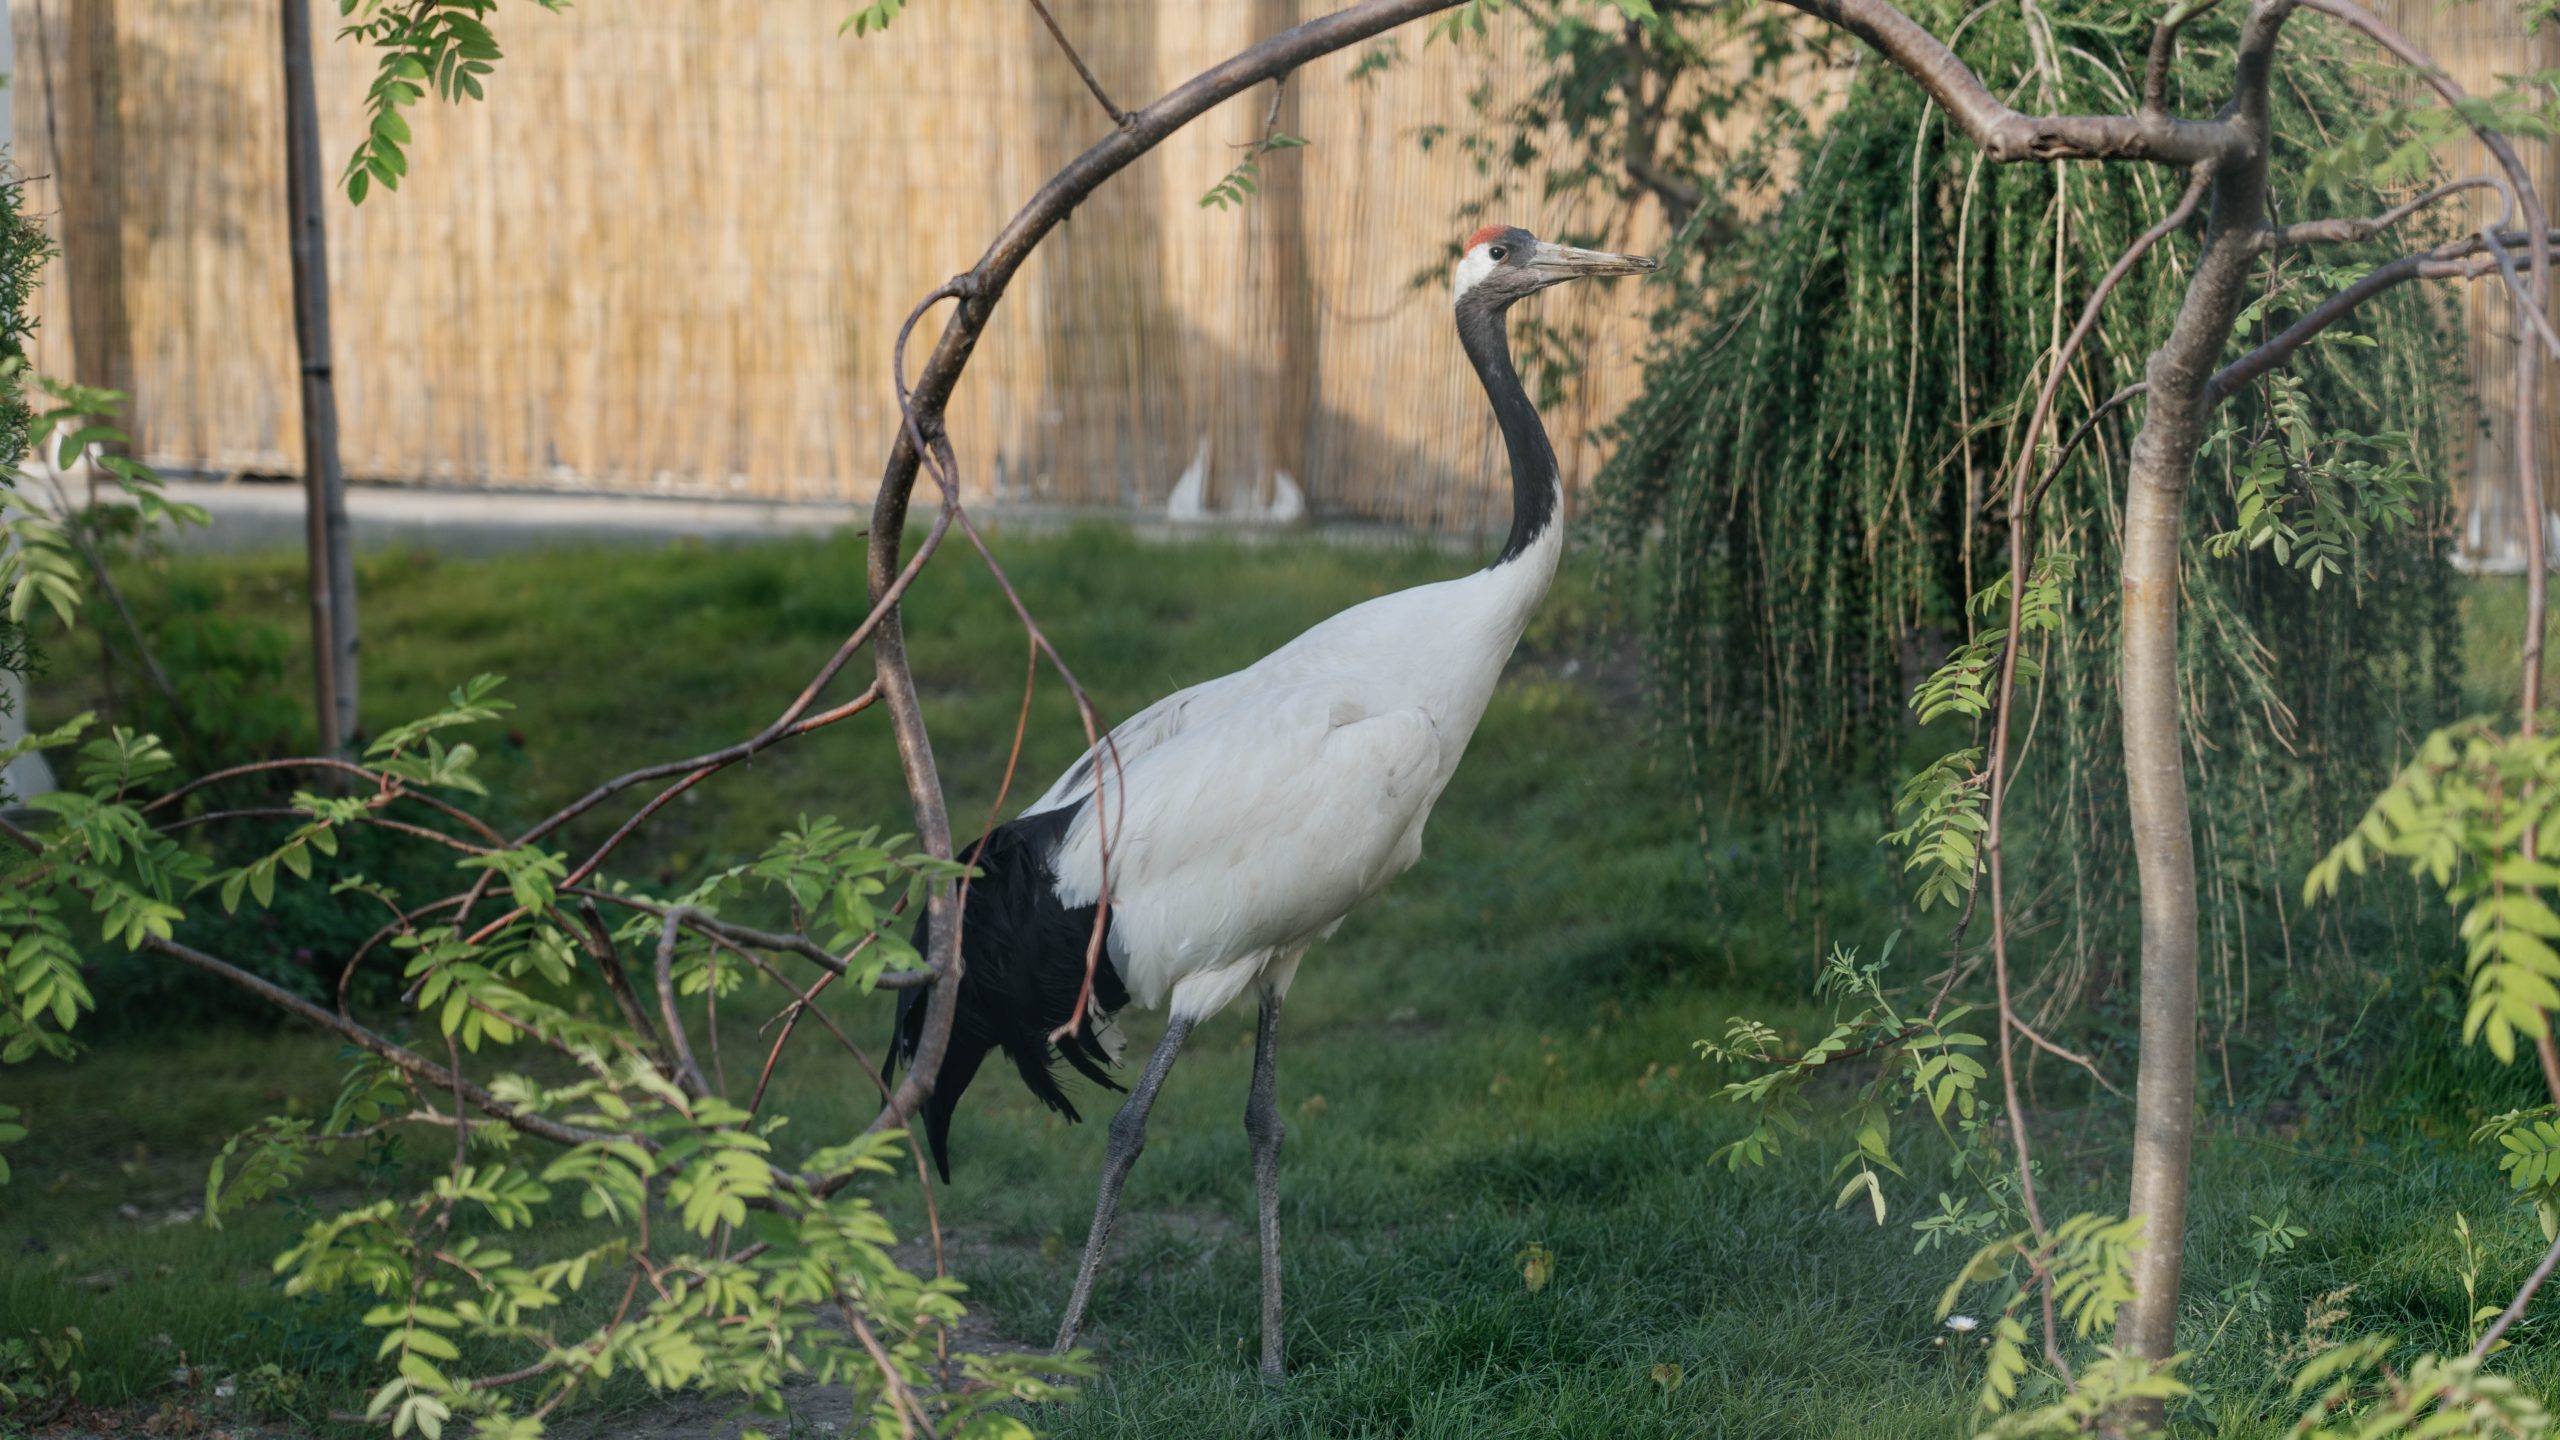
<point x="978" y="292"/>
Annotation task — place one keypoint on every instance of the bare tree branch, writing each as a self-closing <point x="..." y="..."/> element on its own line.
<point x="2537" y="298"/>
<point x="2019" y="492"/>
<point x="599" y="943"/>
<point x="2526" y="310"/>
<point x="784" y="725"/>
<point x="418" y="1067"/>
<point x="2339" y="231"/>
<point x="2515" y="1308"/>
<point x="2164" y="51"/>
<point x="2006" y="134"/>
<point x="688" y="1070"/>
<point x="1118" y="115"/>
<point x="985" y="285"/>
<point x="2464" y="259"/>
<point x="2061" y="457"/>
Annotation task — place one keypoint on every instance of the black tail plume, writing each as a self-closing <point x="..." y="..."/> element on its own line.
<point x="1023" y="956"/>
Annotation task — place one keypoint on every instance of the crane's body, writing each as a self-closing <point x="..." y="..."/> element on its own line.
<point x="1220" y="832"/>
<point x="1257" y="809"/>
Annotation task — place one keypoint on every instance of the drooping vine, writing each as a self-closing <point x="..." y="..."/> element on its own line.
<point x="1817" y="470"/>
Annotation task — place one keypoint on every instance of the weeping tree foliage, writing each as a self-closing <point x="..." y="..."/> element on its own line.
<point x="1816" y="474"/>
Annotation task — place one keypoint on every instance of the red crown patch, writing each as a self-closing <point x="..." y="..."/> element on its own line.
<point x="1490" y="232"/>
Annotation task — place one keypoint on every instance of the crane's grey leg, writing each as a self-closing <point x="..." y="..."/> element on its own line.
<point x="1128" y="1137"/>
<point x="1262" y="1125"/>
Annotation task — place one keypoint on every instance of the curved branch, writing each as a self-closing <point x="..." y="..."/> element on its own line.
<point x="839" y="966"/>
<point x="2006" y="134"/>
<point x="2532" y="313"/>
<point x="2345" y="231"/>
<point x="1142" y="130"/>
<point x="281" y="812"/>
<point x="2536" y="297"/>
<point x="718" y="761"/>
<point x="2465" y="259"/>
<point x="2087" y="427"/>
<point x="2515" y="1308"/>
<point x="786" y="725"/>
<point x="2164" y="50"/>
<point x="390" y="786"/>
<point x="2019" y="494"/>
<point x="409" y="1062"/>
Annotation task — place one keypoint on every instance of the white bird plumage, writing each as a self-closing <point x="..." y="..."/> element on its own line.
<point x="1240" y="820"/>
<point x="1255" y="810"/>
<point x="1188" y="502"/>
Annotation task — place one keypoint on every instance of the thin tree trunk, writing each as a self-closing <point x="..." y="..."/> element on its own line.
<point x="332" y="560"/>
<point x="2163" y="462"/>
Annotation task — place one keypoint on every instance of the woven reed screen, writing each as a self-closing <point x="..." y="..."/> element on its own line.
<point x="671" y="250"/>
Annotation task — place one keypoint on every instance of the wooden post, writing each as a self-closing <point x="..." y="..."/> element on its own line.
<point x="333" y="577"/>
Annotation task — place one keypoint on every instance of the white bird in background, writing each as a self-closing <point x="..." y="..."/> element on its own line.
<point x="1188" y="503"/>
<point x="1288" y="503"/>
<point x="1248" y="814"/>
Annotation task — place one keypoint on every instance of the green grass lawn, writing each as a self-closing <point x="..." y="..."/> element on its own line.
<point x="1494" y="1054"/>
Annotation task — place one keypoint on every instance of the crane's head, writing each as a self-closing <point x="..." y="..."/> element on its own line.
<point x="1504" y="263"/>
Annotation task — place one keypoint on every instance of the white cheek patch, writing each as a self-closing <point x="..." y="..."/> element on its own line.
<point x="1478" y="263"/>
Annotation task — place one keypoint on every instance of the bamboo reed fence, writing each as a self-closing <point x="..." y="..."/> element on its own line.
<point x="672" y="249"/>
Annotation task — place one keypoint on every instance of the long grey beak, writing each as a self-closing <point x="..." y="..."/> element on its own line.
<point x="1557" y="263"/>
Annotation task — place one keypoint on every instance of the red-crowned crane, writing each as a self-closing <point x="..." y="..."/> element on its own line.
<point x="1248" y="814"/>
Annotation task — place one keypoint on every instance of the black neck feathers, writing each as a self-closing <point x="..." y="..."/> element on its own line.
<point x="1535" y="480"/>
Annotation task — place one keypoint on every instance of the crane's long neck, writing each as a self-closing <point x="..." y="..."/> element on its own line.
<point x="1536" y="483"/>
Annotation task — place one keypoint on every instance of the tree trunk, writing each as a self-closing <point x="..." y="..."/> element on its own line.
<point x="2163" y="461"/>
<point x="332" y="560"/>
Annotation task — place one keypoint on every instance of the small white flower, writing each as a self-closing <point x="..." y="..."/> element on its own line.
<point x="1963" y="1324"/>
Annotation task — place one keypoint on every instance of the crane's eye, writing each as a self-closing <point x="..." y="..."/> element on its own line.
<point x="1498" y="251"/>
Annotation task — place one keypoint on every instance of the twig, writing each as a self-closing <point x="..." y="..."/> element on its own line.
<point x="417" y="1066"/>
<point x="1118" y="115"/>
<point x="2515" y="1308"/>
<point x="2525" y="307"/>
<point x="2197" y="184"/>
<point x="2053" y="468"/>
<point x="903" y="1400"/>
<point x="2068" y="1055"/>
<point x="2455" y="260"/>
<point x="390" y="787"/>
<point x="801" y="945"/>
<point x="2344" y="231"/>
<point x="713" y="765"/>
<point x="2164" y="49"/>
<point x="286" y="812"/>
<point x="688" y="1073"/>
<point x="599" y="943"/>
<point x="783" y="727"/>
